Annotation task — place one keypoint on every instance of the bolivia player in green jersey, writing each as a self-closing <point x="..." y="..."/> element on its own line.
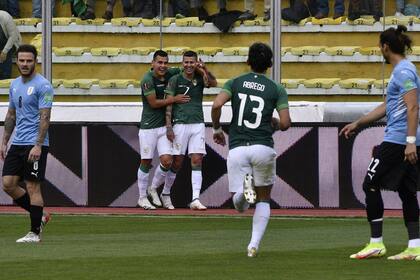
<point x="152" y="132"/>
<point x="188" y="122"/>
<point x="251" y="161"/>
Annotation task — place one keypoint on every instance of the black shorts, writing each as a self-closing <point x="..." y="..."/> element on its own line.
<point x="16" y="163"/>
<point x="388" y="170"/>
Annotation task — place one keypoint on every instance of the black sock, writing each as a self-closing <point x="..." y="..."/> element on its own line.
<point x="36" y="217"/>
<point x="24" y="202"/>
<point x="413" y="230"/>
<point x="376" y="229"/>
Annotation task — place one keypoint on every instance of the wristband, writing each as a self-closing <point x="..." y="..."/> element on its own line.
<point x="411" y="139"/>
<point x="217" y="130"/>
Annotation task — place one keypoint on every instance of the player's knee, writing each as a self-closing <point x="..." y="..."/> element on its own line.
<point x="33" y="188"/>
<point x="196" y="161"/>
<point x="8" y="185"/>
<point x="368" y="188"/>
<point x="166" y="162"/>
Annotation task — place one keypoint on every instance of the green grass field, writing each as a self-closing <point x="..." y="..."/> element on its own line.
<point x="138" y="247"/>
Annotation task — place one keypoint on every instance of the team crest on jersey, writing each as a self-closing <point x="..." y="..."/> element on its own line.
<point x="30" y="90"/>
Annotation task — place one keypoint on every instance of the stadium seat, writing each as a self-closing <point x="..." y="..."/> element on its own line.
<point x="305" y="21"/>
<point x="96" y="21"/>
<point x="126" y="21"/>
<point x="115" y="83"/>
<point x="326" y="83"/>
<point x="80" y="83"/>
<point x="70" y="51"/>
<point x="284" y="50"/>
<point x="362" y="21"/>
<point x="104" y="51"/>
<point x="189" y="21"/>
<point x="291" y="83"/>
<point x="285" y="22"/>
<point x="138" y="50"/>
<point x="342" y="50"/>
<point x="63" y="21"/>
<point x="370" y="51"/>
<point x="235" y="51"/>
<point x="381" y="83"/>
<point x="307" y="50"/>
<point x="414" y="50"/>
<point x="207" y="50"/>
<point x="328" y="21"/>
<point x="259" y="21"/>
<point x="136" y="83"/>
<point x="57" y="82"/>
<point x="5" y="83"/>
<point x="221" y="82"/>
<point x="156" y="22"/>
<point x="176" y="50"/>
<point x="392" y="20"/>
<point x="27" y="21"/>
<point x="356" y="83"/>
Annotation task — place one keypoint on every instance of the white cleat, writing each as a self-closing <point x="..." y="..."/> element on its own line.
<point x="242" y="206"/>
<point x="252" y="252"/>
<point x="196" y="205"/>
<point x="249" y="190"/>
<point x="144" y="203"/>
<point x="31" y="237"/>
<point x="154" y="196"/>
<point x="166" y="201"/>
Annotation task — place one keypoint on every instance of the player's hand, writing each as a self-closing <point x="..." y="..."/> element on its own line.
<point x="349" y="130"/>
<point x="219" y="138"/>
<point x="35" y="153"/>
<point x="3" y="151"/>
<point x="170" y="134"/>
<point x="410" y="153"/>
<point x="181" y="98"/>
<point x="3" y="57"/>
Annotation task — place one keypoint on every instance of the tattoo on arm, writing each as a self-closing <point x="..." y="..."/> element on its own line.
<point x="9" y="125"/>
<point x="44" y="123"/>
<point x="168" y="116"/>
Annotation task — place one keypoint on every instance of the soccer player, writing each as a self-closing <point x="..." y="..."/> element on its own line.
<point x="251" y="161"/>
<point x="188" y="130"/>
<point x="30" y="102"/>
<point x="152" y="133"/>
<point x="394" y="163"/>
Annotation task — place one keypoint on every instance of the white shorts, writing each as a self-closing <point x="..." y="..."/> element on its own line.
<point x="151" y="138"/>
<point x="258" y="160"/>
<point x="191" y="136"/>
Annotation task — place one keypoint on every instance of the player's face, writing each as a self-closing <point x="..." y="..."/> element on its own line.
<point x="26" y="63"/>
<point x="189" y="64"/>
<point x="385" y="52"/>
<point x="160" y="66"/>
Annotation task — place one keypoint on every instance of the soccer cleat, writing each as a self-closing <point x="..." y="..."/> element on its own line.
<point x="249" y="190"/>
<point x="252" y="252"/>
<point x="372" y="250"/>
<point x="46" y="217"/>
<point x="410" y="254"/>
<point x="196" y="205"/>
<point x="154" y="196"/>
<point x="240" y="206"/>
<point x="31" y="237"/>
<point x="166" y="201"/>
<point x="145" y="204"/>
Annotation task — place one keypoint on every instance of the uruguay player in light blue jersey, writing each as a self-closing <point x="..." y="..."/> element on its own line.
<point x="30" y="102"/>
<point x="394" y="165"/>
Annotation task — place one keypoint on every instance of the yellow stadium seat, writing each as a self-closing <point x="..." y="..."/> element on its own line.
<point x="370" y="51"/>
<point x="284" y="50"/>
<point x="207" y="50"/>
<point x="96" y="21"/>
<point x="27" y="21"/>
<point x="126" y="21"/>
<point x="305" y="21"/>
<point x="57" y="82"/>
<point x="63" y="20"/>
<point x="414" y="50"/>
<point x="70" y="51"/>
<point x="105" y="51"/>
<point x="136" y="83"/>
<point x="307" y="50"/>
<point x="221" y="82"/>
<point x="138" y="50"/>
<point x="80" y="83"/>
<point x="5" y="83"/>
<point x="291" y="83"/>
<point x="259" y="21"/>
<point x="381" y="83"/>
<point x="342" y="50"/>
<point x="285" y="22"/>
<point x="235" y="51"/>
<point x="156" y="21"/>
<point x="357" y="83"/>
<point x="115" y="83"/>
<point x="189" y="21"/>
<point x="362" y="21"/>
<point x="325" y="83"/>
<point x="392" y="20"/>
<point x="328" y="21"/>
<point x="176" y="50"/>
<point x="416" y="20"/>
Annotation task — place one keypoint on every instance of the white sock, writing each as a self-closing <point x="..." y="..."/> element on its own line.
<point x="414" y="243"/>
<point x="158" y="177"/>
<point x="376" y="240"/>
<point x="169" y="181"/>
<point x="142" y="181"/>
<point x="239" y="202"/>
<point x="196" y="180"/>
<point x="259" y="223"/>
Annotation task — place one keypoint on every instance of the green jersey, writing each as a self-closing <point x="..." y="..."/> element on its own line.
<point x="254" y="97"/>
<point x="153" y="118"/>
<point x="191" y="112"/>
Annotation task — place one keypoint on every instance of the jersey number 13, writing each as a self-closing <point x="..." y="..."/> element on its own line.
<point x="256" y="110"/>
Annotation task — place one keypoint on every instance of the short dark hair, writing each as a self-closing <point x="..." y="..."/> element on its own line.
<point x="260" y="57"/>
<point x="160" y="53"/>
<point x="27" y="48"/>
<point x="396" y="39"/>
<point x="190" y="54"/>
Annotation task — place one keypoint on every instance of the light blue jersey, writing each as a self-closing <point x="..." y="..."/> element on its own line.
<point x="403" y="79"/>
<point x="27" y="99"/>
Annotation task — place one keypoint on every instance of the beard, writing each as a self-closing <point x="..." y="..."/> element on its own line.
<point x="31" y="71"/>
